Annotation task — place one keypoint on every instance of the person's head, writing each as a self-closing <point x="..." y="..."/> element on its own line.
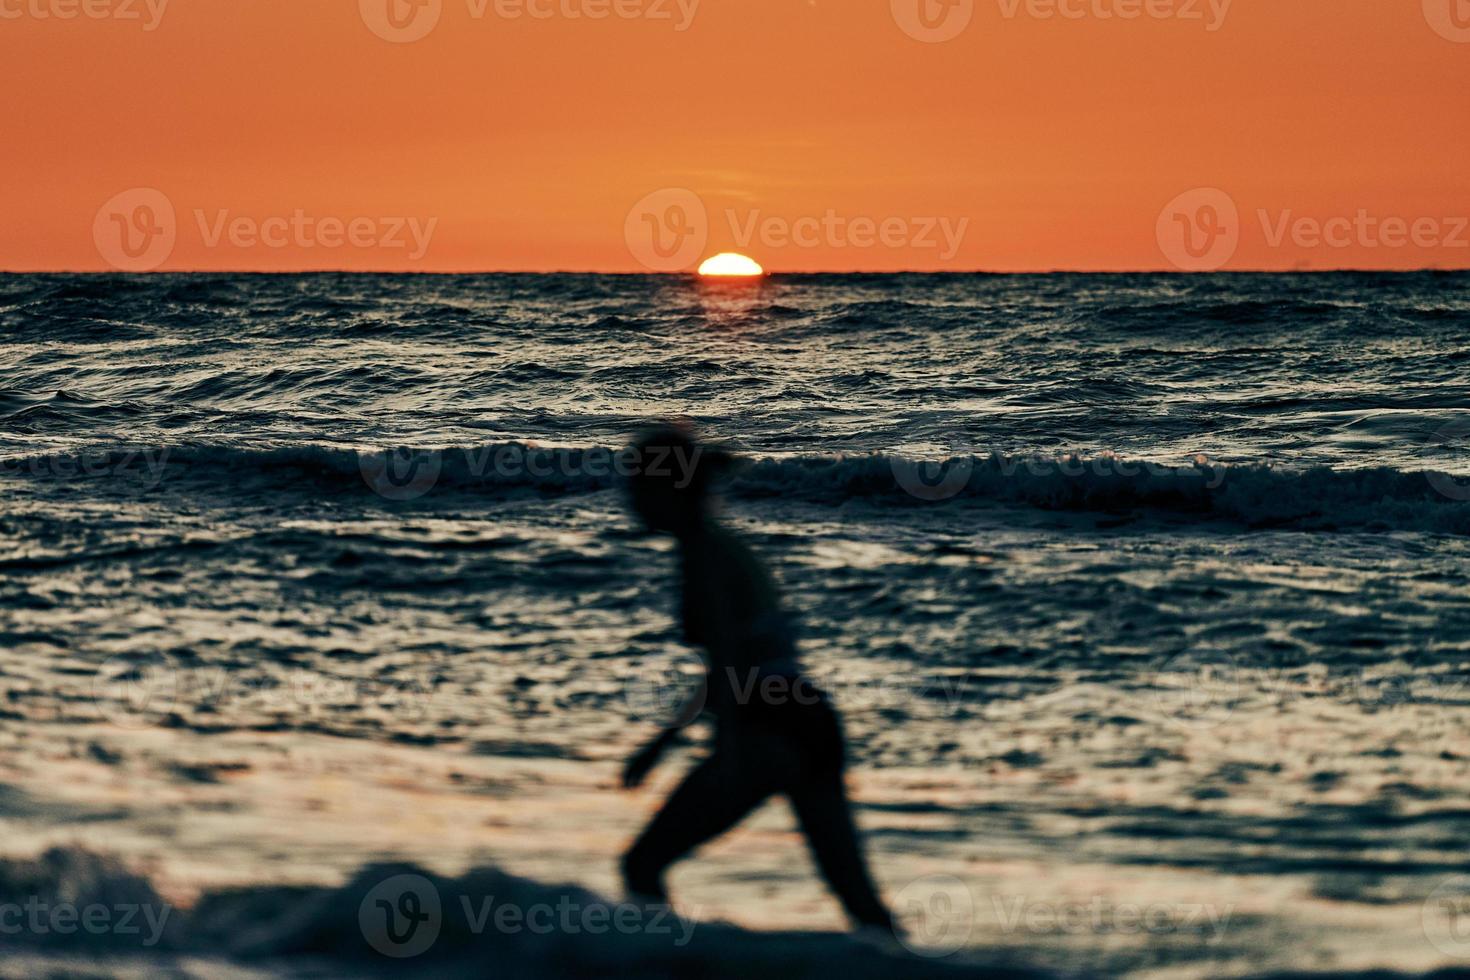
<point x="670" y="478"/>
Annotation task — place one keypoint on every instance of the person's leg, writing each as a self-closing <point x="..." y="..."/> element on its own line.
<point x="710" y="800"/>
<point x="826" y="819"/>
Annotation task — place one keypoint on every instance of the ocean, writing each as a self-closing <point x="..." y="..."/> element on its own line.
<point x="1143" y="597"/>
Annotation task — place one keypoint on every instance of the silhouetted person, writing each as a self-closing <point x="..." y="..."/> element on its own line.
<point x="775" y="733"/>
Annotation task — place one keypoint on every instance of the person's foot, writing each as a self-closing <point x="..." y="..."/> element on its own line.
<point x="641" y="886"/>
<point x="885" y="936"/>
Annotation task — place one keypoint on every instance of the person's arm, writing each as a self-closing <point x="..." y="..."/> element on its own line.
<point x="642" y="762"/>
<point x="710" y="610"/>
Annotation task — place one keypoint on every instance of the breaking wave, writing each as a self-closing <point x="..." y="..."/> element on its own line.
<point x="1256" y="496"/>
<point x="403" y="920"/>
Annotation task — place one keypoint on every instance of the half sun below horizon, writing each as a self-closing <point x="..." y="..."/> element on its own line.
<point x="730" y="264"/>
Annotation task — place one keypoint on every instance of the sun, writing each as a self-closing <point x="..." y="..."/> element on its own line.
<point x="730" y="264"/>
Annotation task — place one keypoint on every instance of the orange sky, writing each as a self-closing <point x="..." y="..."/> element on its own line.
<point x="1038" y="141"/>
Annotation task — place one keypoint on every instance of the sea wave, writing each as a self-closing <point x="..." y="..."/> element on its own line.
<point x="404" y="920"/>
<point x="1256" y="496"/>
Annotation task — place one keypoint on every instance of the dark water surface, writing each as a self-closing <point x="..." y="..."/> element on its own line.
<point x="1135" y="591"/>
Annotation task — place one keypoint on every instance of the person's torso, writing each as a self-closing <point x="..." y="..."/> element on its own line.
<point x="732" y="611"/>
